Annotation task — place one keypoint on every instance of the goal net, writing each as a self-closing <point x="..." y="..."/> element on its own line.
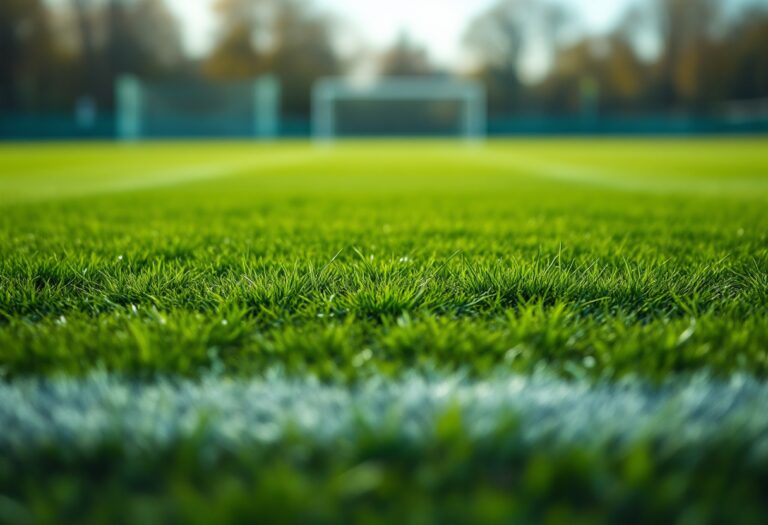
<point x="147" y="110"/>
<point x="392" y="107"/>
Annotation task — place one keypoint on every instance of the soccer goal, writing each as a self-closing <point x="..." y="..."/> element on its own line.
<point x="147" y="110"/>
<point x="391" y="107"/>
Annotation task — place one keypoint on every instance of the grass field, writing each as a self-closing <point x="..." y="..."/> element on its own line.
<point x="534" y="331"/>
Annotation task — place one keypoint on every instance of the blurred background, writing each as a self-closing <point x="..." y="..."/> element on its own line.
<point x="548" y="66"/>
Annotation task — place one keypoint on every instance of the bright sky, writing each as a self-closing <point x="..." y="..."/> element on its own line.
<point x="437" y="24"/>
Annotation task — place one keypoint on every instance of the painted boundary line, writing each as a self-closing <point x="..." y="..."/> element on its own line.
<point x="227" y="413"/>
<point x="609" y="179"/>
<point x="152" y="178"/>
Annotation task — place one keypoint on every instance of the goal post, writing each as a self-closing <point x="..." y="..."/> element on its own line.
<point x="165" y="109"/>
<point x="266" y="107"/>
<point x="128" y="108"/>
<point x="469" y="114"/>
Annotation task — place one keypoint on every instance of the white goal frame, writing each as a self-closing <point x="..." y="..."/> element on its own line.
<point x="327" y="92"/>
<point x="130" y="106"/>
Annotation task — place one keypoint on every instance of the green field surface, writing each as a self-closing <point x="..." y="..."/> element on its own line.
<point x="571" y="266"/>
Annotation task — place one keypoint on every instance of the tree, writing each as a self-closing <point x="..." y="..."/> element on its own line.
<point x="686" y="30"/>
<point x="499" y="39"/>
<point x="405" y="59"/>
<point x="88" y="52"/>
<point x="27" y="55"/>
<point x="743" y="64"/>
<point x="285" y="38"/>
<point x="607" y="67"/>
<point x="138" y="37"/>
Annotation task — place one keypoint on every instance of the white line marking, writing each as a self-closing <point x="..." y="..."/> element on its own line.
<point x="613" y="179"/>
<point x="118" y="179"/>
<point x="82" y="413"/>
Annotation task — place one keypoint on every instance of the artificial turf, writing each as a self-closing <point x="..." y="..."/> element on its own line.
<point x="591" y="261"/>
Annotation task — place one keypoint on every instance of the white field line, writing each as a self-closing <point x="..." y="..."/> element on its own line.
<point x="119" y="179"/>
<point x="614" y="179"/>
<point x="123" y="179"/>
<point x="223" y="414"/>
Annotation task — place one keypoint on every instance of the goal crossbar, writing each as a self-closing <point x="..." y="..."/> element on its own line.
<point x="328" y="92"/>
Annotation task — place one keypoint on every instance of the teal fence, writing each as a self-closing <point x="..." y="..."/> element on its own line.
<point x="103" y="126"/>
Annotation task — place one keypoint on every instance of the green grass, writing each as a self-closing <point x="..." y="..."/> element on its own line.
<point x="423" y="255"/>
<point x="594" y="260"/>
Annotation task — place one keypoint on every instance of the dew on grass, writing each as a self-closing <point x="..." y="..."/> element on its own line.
<point x="688" y="333"/>
<point x="362" y="358"/>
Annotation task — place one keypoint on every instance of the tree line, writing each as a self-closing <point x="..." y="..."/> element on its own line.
<point x="690" y="56"/>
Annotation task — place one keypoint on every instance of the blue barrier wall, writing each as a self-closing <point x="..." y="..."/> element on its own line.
<point x="54" y="127"/>
<point x="65" y="126"/>
<point x="611" y="125"/>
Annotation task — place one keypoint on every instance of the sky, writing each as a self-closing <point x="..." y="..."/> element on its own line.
<point x="436" y="24"/>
